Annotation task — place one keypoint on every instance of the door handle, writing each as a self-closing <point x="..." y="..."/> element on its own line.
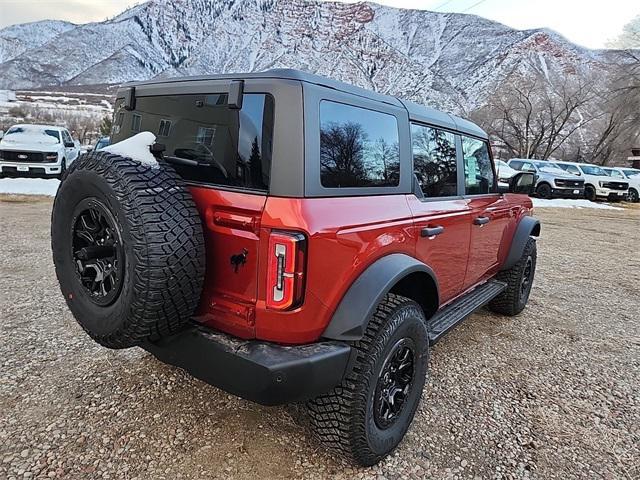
<point x="481" y="221"/>
<point x="431" y="231"/>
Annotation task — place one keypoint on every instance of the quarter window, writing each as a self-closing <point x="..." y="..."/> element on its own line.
<point x="478" y="172"/>
<point x="358" y="147"/>
<point x="434" y="161"/>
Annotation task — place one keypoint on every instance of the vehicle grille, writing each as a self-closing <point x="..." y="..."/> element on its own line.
<point x="615" y="185"/>
<point x="27" y="157"/>
<point x="569" y="183"/>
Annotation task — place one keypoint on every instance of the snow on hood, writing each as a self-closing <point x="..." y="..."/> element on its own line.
<point x="28" y="135"/>
<point x="135" y="148"/>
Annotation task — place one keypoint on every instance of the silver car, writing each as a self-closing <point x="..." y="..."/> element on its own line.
<point x="551" y="180"/>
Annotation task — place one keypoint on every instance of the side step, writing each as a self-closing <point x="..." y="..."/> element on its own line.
<point x="447" y="318"/>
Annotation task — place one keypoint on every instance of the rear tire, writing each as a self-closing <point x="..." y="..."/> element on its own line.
<point x="590" y="193"/>
<point x="544" y="190"/>
<point x="128" y="249"/>
<point x="359" y="418"/>
<point x="519" y="280"/>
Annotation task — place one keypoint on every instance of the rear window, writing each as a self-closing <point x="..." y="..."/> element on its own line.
<point x="224" y="147"/>
<point x="358" y="147"/>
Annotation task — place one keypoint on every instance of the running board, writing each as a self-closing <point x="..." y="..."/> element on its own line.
<point x="451" y="315"/>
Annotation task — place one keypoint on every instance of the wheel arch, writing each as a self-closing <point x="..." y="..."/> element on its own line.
<point x="395" y="273"/>
<point x="528" y="227"/>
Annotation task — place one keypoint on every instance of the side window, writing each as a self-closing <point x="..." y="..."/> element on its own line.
<point x="66" y="138"/>
<point x="478" y="172"/>
<point x="165" y="128"/>
<point x="528" y="167"/>
<point x="358" y="147"/>
<point x="434" y="161"/>
<point x="221" y="146"/>
<point x="573" y="169"/>
<point x="135" y="122"/>
<point x="516" y="165"/>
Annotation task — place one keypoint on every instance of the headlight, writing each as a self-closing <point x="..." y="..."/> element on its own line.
<point x="51" y="157"/>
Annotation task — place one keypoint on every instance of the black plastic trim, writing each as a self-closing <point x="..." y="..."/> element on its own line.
<point x="524" y="230"/>
<point x="265" y="373"/>
<point x="359" y="303"/>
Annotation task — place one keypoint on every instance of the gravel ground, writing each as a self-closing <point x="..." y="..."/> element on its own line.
<point x="552" y="393"/>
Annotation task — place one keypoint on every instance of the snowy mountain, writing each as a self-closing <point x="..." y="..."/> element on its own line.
<point x="442" y="59"/>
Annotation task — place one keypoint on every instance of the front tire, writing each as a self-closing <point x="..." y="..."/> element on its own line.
<point x="519" y="280"/>
<point x="544" y="190"/>
<point x="368" y="414"/>
<point x="590" y="193"/>
<point x="634" y="196"/>
<point x="63" y="169"/>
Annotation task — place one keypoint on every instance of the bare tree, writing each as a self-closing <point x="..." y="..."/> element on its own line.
<point x="530" y="117"/>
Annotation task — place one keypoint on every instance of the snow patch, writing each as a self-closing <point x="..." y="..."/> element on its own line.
<point x="567" y="203"/>
<point x="135" y="148"/>
<point x="29" y="186"/>
<point x="28" y="135"/>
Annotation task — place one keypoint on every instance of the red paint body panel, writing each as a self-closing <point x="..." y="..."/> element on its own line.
<point x="344" y="236"/>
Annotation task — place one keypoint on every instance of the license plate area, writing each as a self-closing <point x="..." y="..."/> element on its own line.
<point x="576" y="192"/>
<point x="23" y="168"/>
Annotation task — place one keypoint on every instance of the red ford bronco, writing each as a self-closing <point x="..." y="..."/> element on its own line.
<point x="292" y="238"/>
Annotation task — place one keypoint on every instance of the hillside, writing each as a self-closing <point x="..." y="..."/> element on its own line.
<point x="446" y="60"/>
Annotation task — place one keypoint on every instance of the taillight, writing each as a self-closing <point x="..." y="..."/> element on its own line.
<point x="285" y="284"/>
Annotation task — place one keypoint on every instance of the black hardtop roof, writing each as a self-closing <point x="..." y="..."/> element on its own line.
<point x="416" y="112"/>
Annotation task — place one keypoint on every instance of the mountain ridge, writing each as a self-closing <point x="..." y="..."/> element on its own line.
<point x="446" y="60"/>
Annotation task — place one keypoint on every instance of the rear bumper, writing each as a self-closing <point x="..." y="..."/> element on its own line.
<point x="262" y="372"/>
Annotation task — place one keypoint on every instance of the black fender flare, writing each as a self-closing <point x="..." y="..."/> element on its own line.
<point x="358" y="305"/>
<point x="528" y="227"/>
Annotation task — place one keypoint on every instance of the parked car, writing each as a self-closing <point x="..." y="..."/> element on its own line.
<point x="630" y="175"/>
<point x="551" y="180"/>
<point x="313" y="251"/>
<point x="102" y="142"/>
<point x="36" y="151"/>
<point x="505" y="173"/>
<point x="598" y="184"/>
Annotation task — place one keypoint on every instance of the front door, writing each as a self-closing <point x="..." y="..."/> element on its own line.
<point x="442" y="217"/>
<point x="490" y="211"/>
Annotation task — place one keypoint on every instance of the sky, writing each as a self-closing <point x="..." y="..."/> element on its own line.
<point x="586" y="22"/>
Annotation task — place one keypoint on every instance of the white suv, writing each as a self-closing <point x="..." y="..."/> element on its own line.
<point x="630" y="175"/>
<point x="597" y="184"/>
<point x="36" y="151"/>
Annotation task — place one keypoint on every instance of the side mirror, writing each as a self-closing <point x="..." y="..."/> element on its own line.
<point x="1" y="134"/>
<point x="69" y="144"/>
<point x="523" y="182"/>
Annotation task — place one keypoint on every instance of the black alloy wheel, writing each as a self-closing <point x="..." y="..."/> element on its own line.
<point x="394" y="383"/>
<point x="97" y="251"/>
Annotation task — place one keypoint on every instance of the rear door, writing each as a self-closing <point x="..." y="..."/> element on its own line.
<point x="224" y="155"/>
<point x="441" y="214"/>
<point x="490" y="211"/>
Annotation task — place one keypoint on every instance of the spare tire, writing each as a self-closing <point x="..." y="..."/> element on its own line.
<point x="128" y="248"/>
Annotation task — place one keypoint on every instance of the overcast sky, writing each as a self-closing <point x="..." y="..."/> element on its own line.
<point x="586" y="22"/>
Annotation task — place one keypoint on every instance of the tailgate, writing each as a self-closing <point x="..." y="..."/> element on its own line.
<point x="231" y="224"/>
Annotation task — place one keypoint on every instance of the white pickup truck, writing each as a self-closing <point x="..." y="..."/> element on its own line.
<point x="36" y="151"/>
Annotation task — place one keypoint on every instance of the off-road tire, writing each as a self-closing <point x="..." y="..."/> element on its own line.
<point x="590" y="193"/>
<point x="343" y="419"/>
<point x="544" y="190"/>
<point x="511" y="301"/>
<point x="161" y="237"/>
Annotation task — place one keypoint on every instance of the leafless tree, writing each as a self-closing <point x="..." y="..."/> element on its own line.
<point x="530" y="117"/>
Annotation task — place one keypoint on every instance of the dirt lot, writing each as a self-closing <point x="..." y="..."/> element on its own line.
<point x="553" y="393"/>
